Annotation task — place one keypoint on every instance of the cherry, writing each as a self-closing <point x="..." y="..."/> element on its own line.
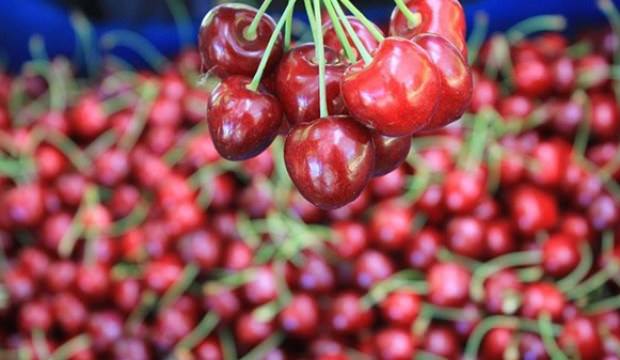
<point x="445" y="18"/>
<point x="541" y="298"/>
<point x="171" y="325"/>
<point x="532" y="78"/>
<point x="398" y="66"/>
<point x="401" y="308"/>
<point x="297" y="83"/>
<point x="500" y="289"/>
<point x="19" y="284"/>
<point x="111" y="167"/>
<point x="126" y="294"/>
<point x="105" y="327"/>
<point x="225" y="303"/>
<point x="93" y="281"/>
<point x="390" y="152"/>
<point x="389" y="185"/>
<point x="304" y="209"/>
<point x="442" y="341"/>
<point x="351" y="239"/>
<point x="160" y="139"/>
<point x="60" y="275"/>
<point x="238" y="256"/>
<point x="250" y="331"/>
<point x="576" y="226"/>
<point x="124" y="199"/>
<point x="257" y="198"/>
<point x="331" y="40"/>
<point x="316" y="276"/>
<point x="70" y="313"/>
<point x="347" y="316"/>
<point x="87" y="118"/>
<point x="455" y="78"/>
<point x="300" y="317"/>
<point x="463" y="190"/>
<point x="592" y="71"/>
<point x="22" y="206"/>
<point x="564" y="75"/>
<point x="515" y="107"/>
<point x="225" y="45"/>
<point x="580" y="336"/>
<point x="496" y="342"/>
<point x="448" y="284"/>
<point x="431" y="203"/>
<point x="352" y="209"/>
<point x="372" y="267"/>
<point x="160" y="274"/>
<point x="423" y="247"/>
<point x="551" y="159"/>
<point x="533" y="210"/>
<point x="485" y="93"/>
<point x="209" y="349"/>
<point x="394" y="344"/>
<point x="603" y="213"/>
<point x="262" y="287"/>
<point x="34" y="261"/>
<point x="466" y="236"/>
<point x="50" y="162"/>
<point x="499" y="239"/>
<point x="130" y="348"/>
<point x="71" y="188"/>
<point x="242" y="122"/>
<point x="173" y="189"/>
<point x="35" y="315"/>
<point x="391" y="225"/>
<point x="604" y="116"/>
<point x="567" y="116"/>
<point x="560" y="255"/>
<point x="330" y="160"/>
<point x="202" y="248"/>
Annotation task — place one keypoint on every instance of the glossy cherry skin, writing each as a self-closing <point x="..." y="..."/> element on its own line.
<point x="445" y="18"/>
<point x="297" y="83"/>
<point x="552" y="158"/>
<point x="223" y="44"/>
<point x="533" y="210"/>
<point x="496" y="342"/>
<point x="466" y="236"/>
<point x="394" y="344"/>
<point x="391" y="224"/>
<point x="242" y="122"/>
<point x="372" y="267"/>
<point x="532" y="78"/>
<point x="300" y="317"/>
<point x="347" y="316"/>
<point x="22" y="206"/>
<point x="401" y="308"/>
<point x="351" y="239"/>
<point x="330" y="160"/>
<point x="390" y="152"/>
<point x="580" y="336"/>
<point x="485" y="93"/>
<point x="423" y="247"/>
<point x="455" y="78"/>
<point x="540" y="298"/>
<point x="448" y="284"/>
<point x="500" y="291"/>
<point x="560" y="255"/>
<point x="380" y="95"/>
<point x="604" y="116"/>
<point x="330" y="38"/>
<point x="463" y="190"/>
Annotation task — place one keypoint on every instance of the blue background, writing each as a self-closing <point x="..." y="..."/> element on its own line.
<point x="20" y="19"/>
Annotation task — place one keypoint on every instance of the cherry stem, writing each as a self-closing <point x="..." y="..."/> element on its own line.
<point x="201" y="331"/>
<point x="478" y="34"/>
<point x="102" y="143"/>
<point x="288" y="31"/>
<point x="475" y="339"/>
<point x="359" y="45"/>
<point x="320" y="54"/>
<point x="84" y="34"/>
<point x="227" y="342"/>
<point x="253" y="86"/>
<point x="545" y="327"/>
<point x="137" y="215"/>
<point x="137" y="43"/>
<point x="407" y="279"/>
<point x="595" y="281"/>
<point x="262" y="349"/>
<point x="177" y="152"/>
<point x="39" y="344"/>
<point x="342" y="36"/>
<point x="426" y="355"/>
<point x="583" y="133"/>
<point x="449" y="256"/>
<point x="250" y="32"/>
<point x="180" y="286"/>
<point x="182" y="20"/>
<point x="530" y="274"/>
<point x="73" y="152"/>
<point x="148" y="93"/>
<point x="607" y="243"/>
<point x="535" y="24"/>
<point x="444" y="313"/>
<point x="580" y="272"/>
<point x="147" y="301"/>
<point x="71" y="347"/>
<point x="77" y="228"/>
<point x="477" y="141"/>
<point x="413" y="18"/>
<point x="476" y="289"/>
<point x="609" y="304"/>
<point x="374" y="31"/>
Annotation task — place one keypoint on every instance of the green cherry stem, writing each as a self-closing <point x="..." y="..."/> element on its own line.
<point x="288" y="31"/>
<point x="535" y="24"/>
<point x="201" y="331"/>
<point x="413" y="18"/>
<point x="262" y="349"/>
<point x="137" y="43"/>
<point x="374" y="31"/>
<point x="71" y="347"/>
<point x="178" y="288"/>
<point x="320" y="55"/>
<point x="229" y="350"/>
<point x="609" y="304"/>
<point x="478" y="34"/>
<point x="595" y="281"/>
<point x="148" y="93"/>
<point x="250" y="32"/>
<point x="352" y="34"/>
<point x="182" y="20"/>
<point x="580" y="272"/>
<point x="253" y="86"/>
<point x="545" y="327"/>
<point x="342" y="37"/>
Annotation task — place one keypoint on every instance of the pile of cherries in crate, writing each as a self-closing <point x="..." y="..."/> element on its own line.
<point x="126" y="232"/>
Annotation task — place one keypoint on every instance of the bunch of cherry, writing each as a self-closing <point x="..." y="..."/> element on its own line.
<point x="348" y="104"/>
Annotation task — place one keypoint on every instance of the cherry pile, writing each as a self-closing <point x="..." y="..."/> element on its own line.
<point x="124" y="234"/>
<point x="347" y="104"/>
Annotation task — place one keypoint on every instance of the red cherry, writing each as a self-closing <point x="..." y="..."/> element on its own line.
<point x="202" y="248"/>
<point x="126" y="294"/>
<point x="390" y="152"/>
<point x="532" y="347"/>
<point x="499" y="239"/>
<point x="580" y="336"/>
<point x="423" y="248"/>
<point x="316" y="276"/>
<point x="455" y="78"/>
<point x="448" y="284"/>
<point x="50" y="162"/>
<point x="532" y="78"/>
<point x="466" y="236"/>
<point x="331" y="40"/>
<point x="533" y="210"/>
<point x="124" y="199"/>
<point x="111" y="167"/>
<point x="209" y="349"/>
<point x="87" y="117"/>
<point x="70" y="313"/>
<point x="604" y="116"/>
<point x="391" y="225"/>
<point x="131" y="348"/>
<point x="297" y="83"/>
<point x="242" y="122"/>
<point x="445" y="18"/>
<point x="105" y="328"/>
<point x="262" y="287"/>
<point x="35" y="315"/>
<point x="560" y="255"/>
<point x="300" y="317"/>
<point x="603" y="213"/>
<point x="19" y="284"/>
<point x="552" y="158"/>
<point x="593" y="71"/>
<point x="351" y="239"/>
<point x="397" y="66"/>
<point x="463" y="190"/>
<point x="495" y="343"/>
<point x="224" y="45"/>
<point x="347" y="315"/>
<point x="22" y="206"/>
<point x="71" y="188"/>
<point x="541" y="298"/>
<point x="372" y="267"/>
<point x="485" y="93"/>
<point x="330" y="160"/>
<point x="389" y="185"/>
<point x="160" y="274"/>
<point x="394" y="344"/>
<point x="442" y="341"/>
<point x="225" y="303"/>
<point x="499" y="289"/>
<point x="564" y="75"/>
<point x="60" y="275"/>
<point x="515" y="107"/>
<point x="250" y="331"/>
<point x="567" y="116"/>
<point x="93" y="281"/>
<point x="401" y="308"/>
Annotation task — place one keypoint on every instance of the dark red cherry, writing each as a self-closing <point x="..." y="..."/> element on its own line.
<point x="112" y="167"/>
<point x="242" y="122"/>
<point x="160" y="274"/>
<point x="532" y="347"/>
<point x="532" y="77"/>
<point x="533" y="210"/>
<point x="50" y="162"/>
<point x="604" y="116"/>
<point x="560" y="255"/>
<point x="567" y="116"/>
<point x="300" y="317"/>
<point x="501" y="290"/>
<point x="448" y="284"/>
<point x="379" y="94"/>
<point x="22" y="206"/>
<point x="297" y="83"/>
<point x="394" y="344"/>
<point x="515" y="107"/>
<point x="69" y="312"/>
<point x="603" y="212"/>
<point x="351" y="239"/>
<point x="455" y="78"/>
<point x="390" y="152"/>
<point x="372" y="267"/>
<point x="541" y="298"/>
<point x="330" y="160"/>
<point x="550" y="161"/>
<point x="262" y="287"/>
<point x="499" y="239"/>
<point x="463" y="190"/>
<point x="496" y="342"/>
<point x="391" y="184"/>
<point x="580" y="337"/>
<point x="224" y="43"/>
<point x="202" y="248"/>
<point x="401" y="308"/>
<point x="316" y="276"/>
<point x="564" y="75"/>
<point x="35" y="315"/>
<point x="331" y="40"/>
<point x="423" y="247"/>
<point x="466" y="236"/>
<point x="87" y="117"/>
<point x="445" y="18"/>
<point x="250" y="331"/>
<point x="442" y="341"/>
<point x="347" y="316"/>
<point x="485" y="93"/>
<point x="391" y="225"/>
<point x="105" y="328"/>
<point x="209" y="349"/>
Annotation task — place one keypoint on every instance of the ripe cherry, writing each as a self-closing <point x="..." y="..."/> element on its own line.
<point x="300" y="317"/>
<point x="347" y="316"/>
<point x="442" y="341"/>
<point x="485" y="93"/>
<point x="330" y="160"/>
<point x="604" y="116"/>
<point x="580" y="336"/>
<point x="262" y="287"/>
<point x="250" y="331"/>
<point x="22" y="206"/>
<point x="499" y="239"/>
<point x="533" y="210"/>
<point x="242" y="122"/>
<point x="316" y="276"/>
<point x="466" y="236"/>
<point x="501" y="290"/>
<point x="225" y="44"/>
<point x="331" y="40"/>
<point x="496" y="342"/>
<point x="551" y="159"/>
<point x="397" y="66"/>
<point x="423" y="247"/>
<point x="372" y="267"/>
<point x="87" y="117"/>
<point x="401" y="308"/>
<point x="560" y="255"/>
<point x="390" y="152"/>
<point x="541" y="298"/>
<point x="532" y="78"/>
<point x="35" y="315"/>
<point x="391" y="225"/>
<point x="394" y="344"/>
<point x="351" y="239"/>
<point x="463" y="190"/>
<point x="448" y="284"/>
